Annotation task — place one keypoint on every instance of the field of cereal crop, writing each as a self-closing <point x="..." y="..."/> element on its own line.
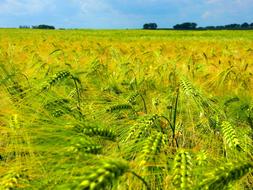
<point x="126" y="109"/>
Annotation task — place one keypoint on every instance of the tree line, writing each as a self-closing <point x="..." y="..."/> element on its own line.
<point x="41" y="26"/>
<point x="151" y="26"/>
<point x="183" y="26"/>
<point x="193" y="26"/>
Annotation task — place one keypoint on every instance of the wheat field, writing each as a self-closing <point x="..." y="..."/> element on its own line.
<point x="126" y="109"/>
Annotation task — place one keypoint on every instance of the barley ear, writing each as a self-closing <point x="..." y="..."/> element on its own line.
<point x="182" y="171"/>
<point x="104" y="175"/>
<point x="229" y="135"/>
<point x="225" y="175"/>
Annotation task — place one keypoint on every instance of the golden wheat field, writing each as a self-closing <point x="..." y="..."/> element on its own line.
<point x="126" y="109"/>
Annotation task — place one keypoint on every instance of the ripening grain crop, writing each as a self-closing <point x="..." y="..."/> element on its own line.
<point x="128" y="110"/>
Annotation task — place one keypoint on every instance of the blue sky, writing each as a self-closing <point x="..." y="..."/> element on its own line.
<point x="123" y="13"/>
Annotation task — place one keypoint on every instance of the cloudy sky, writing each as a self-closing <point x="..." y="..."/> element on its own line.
<point x="123" y="13"/>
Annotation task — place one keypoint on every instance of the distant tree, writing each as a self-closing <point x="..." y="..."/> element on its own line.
<point x="150" y="26"/>
<point x="210" y="27"/>
<point x="220" y="27"/>
<point x="245" y="25"/>
<point x="24" y="27"/>
<point x="44" y="26"/>
<point x="146" y="26"/>
<point x="186" y="26"/>
<point x="153" y="25"/>
<point x="193" y="26"/>
<point x="233" y="26"/>
<point x="177" y="27"/>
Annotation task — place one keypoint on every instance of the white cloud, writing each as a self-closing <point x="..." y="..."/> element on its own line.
<point x="23" y="7"/>
<point x="213" y="1"/>
<point x="238" y="2"/>
<point x="91" y="7"/>
<point x="102" y="13"/>
<point x="124" y="13"/>
<point x="206" y="14"/>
